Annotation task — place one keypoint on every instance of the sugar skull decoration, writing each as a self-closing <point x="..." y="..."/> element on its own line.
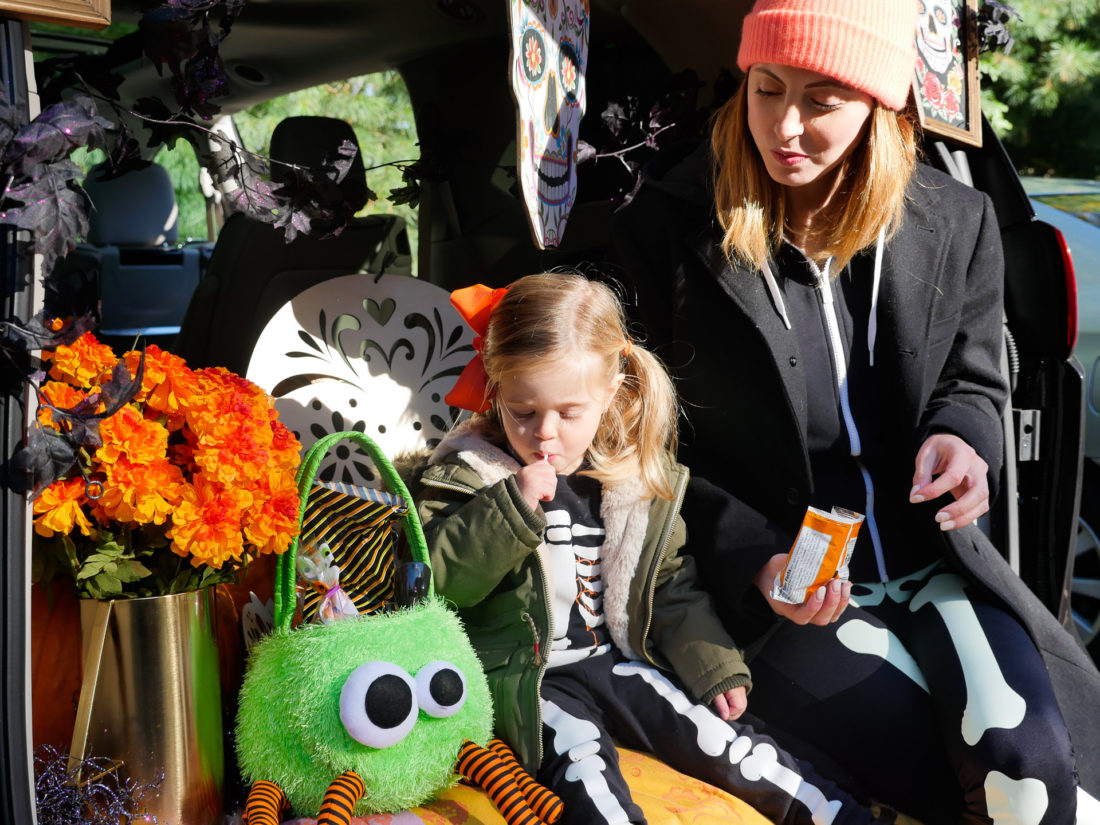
<point x="549" y="57"/>
<point x="936" y="27"/>
<point x="939" y="63"/>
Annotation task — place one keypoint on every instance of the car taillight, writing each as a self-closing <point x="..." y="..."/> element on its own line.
<point x="1071" y="291"/>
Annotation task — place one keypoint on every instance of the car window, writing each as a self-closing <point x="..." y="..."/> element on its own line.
<point x="379" y="110"/>
<point x="1075" y="196"/>
<point x="1085" y="207"/>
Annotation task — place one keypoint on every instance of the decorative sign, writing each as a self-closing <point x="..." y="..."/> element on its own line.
<point x="946" y="80"/>
<point x="549" y="58"/>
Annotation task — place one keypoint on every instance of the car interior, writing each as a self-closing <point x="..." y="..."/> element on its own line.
<point x="231" y="299"/>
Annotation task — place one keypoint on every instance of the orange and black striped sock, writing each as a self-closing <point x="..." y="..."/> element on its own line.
<point x="265" y="805"/>
<point x="543" y="801"/>
<point x="484" y="768"/>
<point x="340" y="798"/>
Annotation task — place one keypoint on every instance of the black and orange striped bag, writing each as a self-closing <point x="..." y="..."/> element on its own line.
<point x="360" y="527"/>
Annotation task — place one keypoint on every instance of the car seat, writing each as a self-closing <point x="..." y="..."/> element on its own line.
<point x="253" y="270"/>
<point x="144" y="281"/>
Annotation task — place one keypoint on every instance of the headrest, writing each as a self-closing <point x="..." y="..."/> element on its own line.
<point x="137" y="208"/>
<point x="309" y="141"/>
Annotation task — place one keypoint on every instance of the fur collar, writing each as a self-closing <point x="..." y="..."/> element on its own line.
<point x="624" y="509"/>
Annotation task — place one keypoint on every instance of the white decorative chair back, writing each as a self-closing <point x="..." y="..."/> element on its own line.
<point x="364" y="352"/>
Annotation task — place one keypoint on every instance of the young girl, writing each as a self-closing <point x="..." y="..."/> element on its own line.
<point x="834" y="310"/>
<point x="553" y="522"/>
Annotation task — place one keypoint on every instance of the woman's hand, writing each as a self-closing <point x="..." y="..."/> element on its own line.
<point x="731" y="704"/>
<point x="947" y="464"/>
<point x="821" y="607"/>
<point x="537" y="482"/>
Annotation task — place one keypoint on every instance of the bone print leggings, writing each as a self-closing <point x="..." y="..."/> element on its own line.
<point x="934" y="699"/>
<point x="586" y="703"/>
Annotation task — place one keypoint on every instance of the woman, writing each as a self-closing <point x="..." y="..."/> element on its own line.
<point x="832" y="311"/>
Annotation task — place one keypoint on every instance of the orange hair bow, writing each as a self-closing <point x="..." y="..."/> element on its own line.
<point x="475" y="304"/>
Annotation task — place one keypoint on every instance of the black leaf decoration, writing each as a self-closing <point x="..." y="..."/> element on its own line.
<point x="993" y="20"/>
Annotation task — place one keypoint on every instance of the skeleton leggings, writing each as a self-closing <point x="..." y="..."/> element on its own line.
<point x="933" y="698"/>
<point x="586" y="703"/>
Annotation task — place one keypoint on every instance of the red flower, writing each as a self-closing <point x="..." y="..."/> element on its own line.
<point x="933" y="90"/>
<point x="951" y="105"/>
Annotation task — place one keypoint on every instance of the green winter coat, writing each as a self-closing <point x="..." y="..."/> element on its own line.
<point x="485" y="543"/>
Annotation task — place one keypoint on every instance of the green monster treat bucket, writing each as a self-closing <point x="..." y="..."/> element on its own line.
<point x="364" y="713"/>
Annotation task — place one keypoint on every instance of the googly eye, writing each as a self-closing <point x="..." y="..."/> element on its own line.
<point x="378" y="704"/>
<point x="440" y="689"/>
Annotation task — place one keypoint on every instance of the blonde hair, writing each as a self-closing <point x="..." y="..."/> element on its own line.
<point x="871" y="196"/>
<point x="546" y="320"/>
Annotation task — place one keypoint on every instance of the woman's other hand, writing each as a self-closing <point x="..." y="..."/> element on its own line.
<point x="947" y="464"/>
<point x="731" y="704"/>
<point x="821" y="607"/>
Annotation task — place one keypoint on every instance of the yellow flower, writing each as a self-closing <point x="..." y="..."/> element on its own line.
<point x="58" y="509"/>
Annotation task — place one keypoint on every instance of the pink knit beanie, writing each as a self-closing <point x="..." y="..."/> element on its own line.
<point x="867" y="44"/>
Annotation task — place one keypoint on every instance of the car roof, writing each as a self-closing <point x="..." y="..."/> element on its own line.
<point x="279" y="46"/>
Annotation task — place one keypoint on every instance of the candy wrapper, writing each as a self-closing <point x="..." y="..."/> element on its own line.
<point x="820" y="553"/>
<point x="316" y="567"/>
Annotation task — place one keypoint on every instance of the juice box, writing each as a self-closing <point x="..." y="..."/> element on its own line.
<point x="820" y="553"/>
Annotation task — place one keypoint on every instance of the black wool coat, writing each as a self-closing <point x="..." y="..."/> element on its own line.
<point x="737" y="369"/>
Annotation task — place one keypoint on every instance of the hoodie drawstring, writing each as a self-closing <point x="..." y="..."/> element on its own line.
<point x="777" y="296"/>
<point x="872" y="318"/>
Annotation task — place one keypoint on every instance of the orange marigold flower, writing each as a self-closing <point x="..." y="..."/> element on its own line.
<point x="61" y="395"/>
<point x="235" y="450"/>
<point x="272" y="526"/>
<point x="145" y="493"/>
<point x="85" y="362"/>
<point x="128" y="434"/>
<point x="206" y="525"/>
<point x="285" y="447"/>
<point x="168" y="385"/>
<point x="59" y="510"/>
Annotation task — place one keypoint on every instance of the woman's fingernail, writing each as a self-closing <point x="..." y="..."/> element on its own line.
<point x="913" y="497"/>
<point x="947" y="525"/>
<point x="941" y="516"/>
<point x="819" y="596"/>
<point x="835" y="585"/>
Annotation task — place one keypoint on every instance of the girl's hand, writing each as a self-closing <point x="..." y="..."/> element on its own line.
<point x="537" y="482"/>
<point x="947" y="464"/>
<point x="731" y="704"/>
<point x="821" y="607"/>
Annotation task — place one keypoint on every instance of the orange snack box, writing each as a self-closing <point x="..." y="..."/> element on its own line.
<point x="820" y="553"/>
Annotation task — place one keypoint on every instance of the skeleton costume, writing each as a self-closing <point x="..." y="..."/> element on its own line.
<point x="589" y="626"/>
<point x="813" y="387"/>
<point x="945" y="660"/>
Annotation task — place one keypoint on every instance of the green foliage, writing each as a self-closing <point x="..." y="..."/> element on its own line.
<point x="183" y="168"/>
<point x="1042" y="97"/>
<point x="378" y="108"/>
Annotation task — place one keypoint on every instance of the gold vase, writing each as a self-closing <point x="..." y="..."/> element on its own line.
<point x="151" y="699"/>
